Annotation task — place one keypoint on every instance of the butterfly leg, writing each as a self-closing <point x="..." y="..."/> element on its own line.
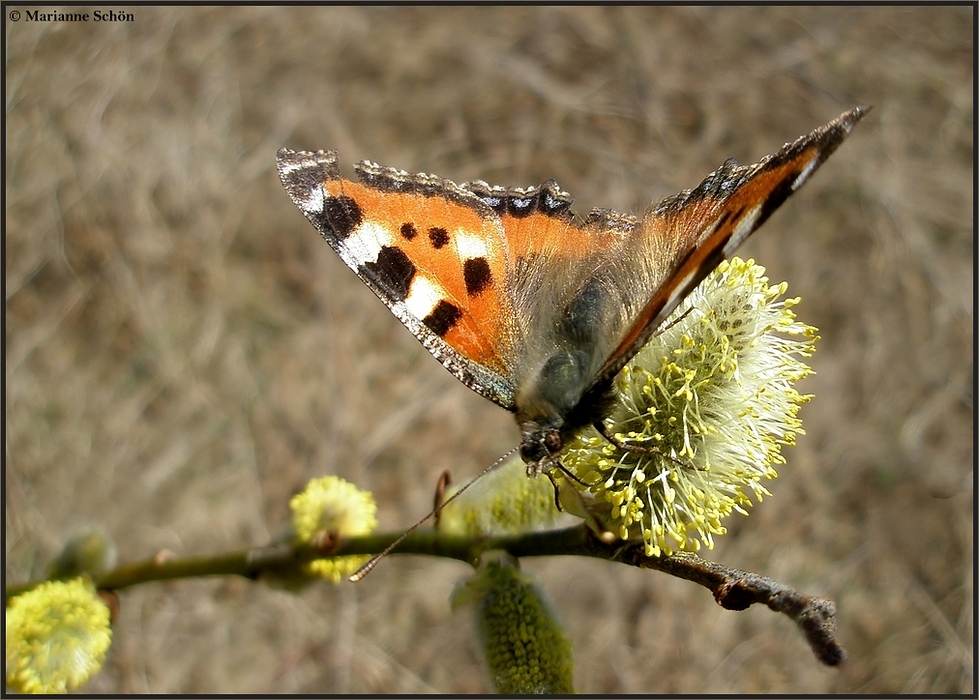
<point x="557" y="495"/>
<point x="567" y="473"/>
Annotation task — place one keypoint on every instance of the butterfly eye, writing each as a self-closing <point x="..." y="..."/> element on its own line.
<point x="553" y="442"/>
<point x="538" y="445"/>
<point x="532" y="452"/>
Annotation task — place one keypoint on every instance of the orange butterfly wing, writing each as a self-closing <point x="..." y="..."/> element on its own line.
<point x="690" y="233"/>
<point x="432" y="252"/>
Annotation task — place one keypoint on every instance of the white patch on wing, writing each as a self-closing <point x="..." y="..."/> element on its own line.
<point x="310" y="201"/>
<point x="287" y="167"/>
<point x="804" y="175"/>
<point x="743" y="229"/>
<point x="364" y="244"/>
<point x="423" y="295"/>
<point x="469" y="246"/>
<point x="708" y="230"/>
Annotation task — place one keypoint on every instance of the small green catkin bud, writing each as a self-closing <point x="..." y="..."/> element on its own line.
<point x="89" y="551"/>
<point x="503" y="501"/>
<point x="525" y="647"/>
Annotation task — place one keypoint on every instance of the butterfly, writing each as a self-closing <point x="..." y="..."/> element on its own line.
<point x="524" y="302"/>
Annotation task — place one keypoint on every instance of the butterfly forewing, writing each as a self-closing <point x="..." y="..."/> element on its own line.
<point x="429" y="250"/>
<point x="690" y="233"/>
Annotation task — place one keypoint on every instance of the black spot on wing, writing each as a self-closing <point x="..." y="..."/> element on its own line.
<point x="438" y="236"/>
<point x="476" y="272"/>
<point x="779" y="194"/>
<point x="392" y="272"/>
<point x="442" y="318"/>
<point x="408" y="231"/>
<point x="342" y="215"/>
<point x="723" y="182"/>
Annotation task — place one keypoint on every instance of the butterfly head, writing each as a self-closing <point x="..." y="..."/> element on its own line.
<point x="539" y="446"/>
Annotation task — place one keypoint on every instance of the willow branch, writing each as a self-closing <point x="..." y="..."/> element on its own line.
<point x="733" y="589"/>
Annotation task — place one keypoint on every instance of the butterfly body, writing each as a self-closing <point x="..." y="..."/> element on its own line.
<point x="524" y="302"/>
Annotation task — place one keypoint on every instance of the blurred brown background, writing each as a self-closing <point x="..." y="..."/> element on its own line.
<point x="183" y="351"/>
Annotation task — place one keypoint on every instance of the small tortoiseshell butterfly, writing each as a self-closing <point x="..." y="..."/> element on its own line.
<point x="524" y="302"/>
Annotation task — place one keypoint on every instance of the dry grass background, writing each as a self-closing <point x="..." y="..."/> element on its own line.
<point x="183" y="352"/>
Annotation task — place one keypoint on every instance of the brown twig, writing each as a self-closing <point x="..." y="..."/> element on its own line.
<point x="733" y="589"/>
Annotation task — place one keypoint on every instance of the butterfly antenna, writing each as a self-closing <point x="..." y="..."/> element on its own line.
<point x="369" y="566"/>
<point x="667" y="326"/>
